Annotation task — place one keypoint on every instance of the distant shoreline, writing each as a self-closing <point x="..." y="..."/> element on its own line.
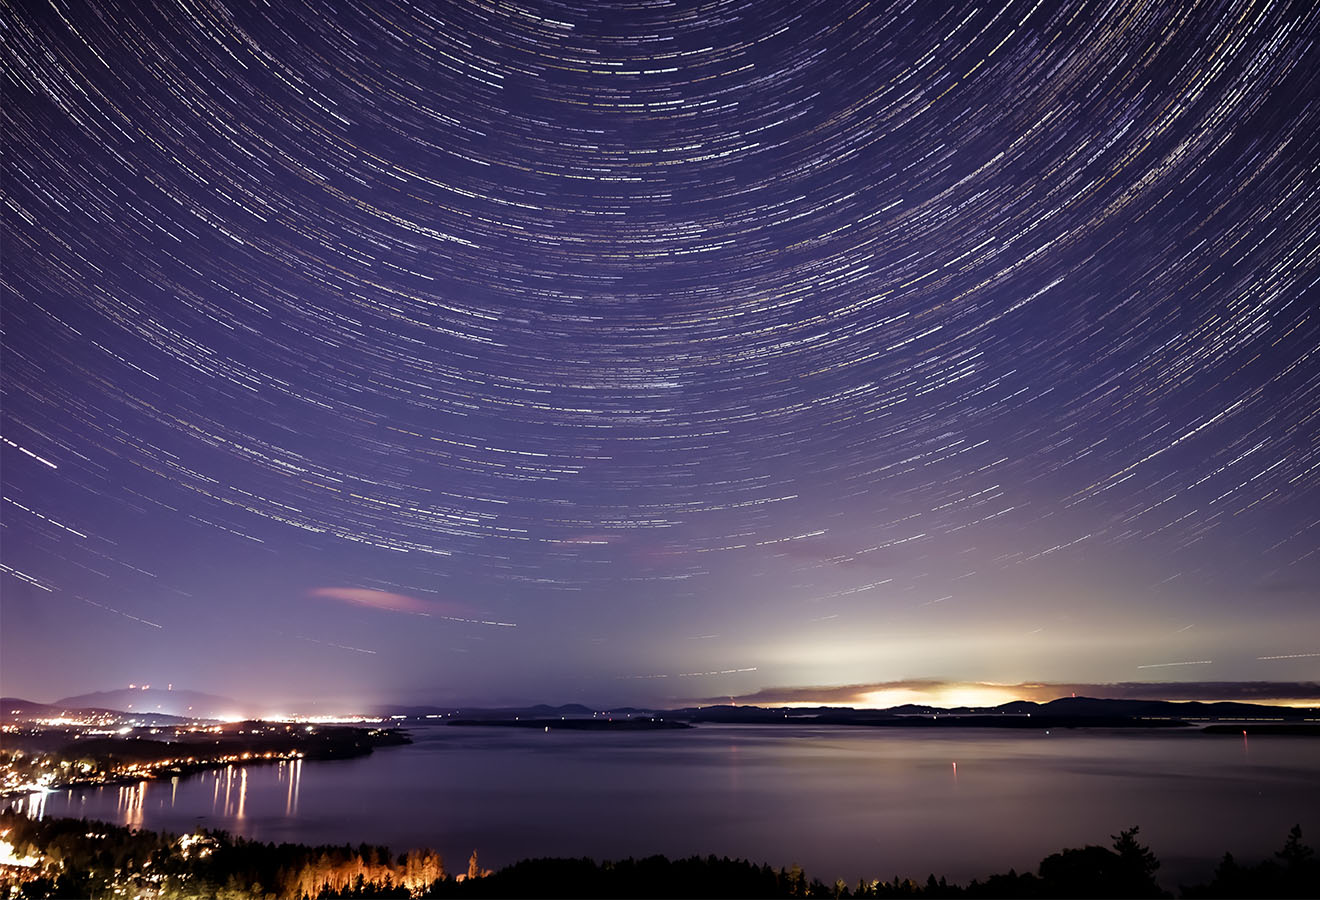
<point x="940" y="722"/>
<point x="644" y="723"/>
<point x="119" y="761"/>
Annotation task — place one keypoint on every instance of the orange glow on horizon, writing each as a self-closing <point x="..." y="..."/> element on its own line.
<point x="974" y="694"/>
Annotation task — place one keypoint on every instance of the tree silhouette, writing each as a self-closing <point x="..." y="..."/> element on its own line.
<point x="1297" y="874"/>
<point x="1295" y="854"/>
<point x="97" y="860"/>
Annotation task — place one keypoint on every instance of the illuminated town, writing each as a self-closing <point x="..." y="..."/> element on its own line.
<point x="45" y="750"/>
<point x="90" y="748"/>
<point x="148" y="866"/>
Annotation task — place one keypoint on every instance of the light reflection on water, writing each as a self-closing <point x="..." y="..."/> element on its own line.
<point x="842" y="802"/>
<point x="130" y="801"/>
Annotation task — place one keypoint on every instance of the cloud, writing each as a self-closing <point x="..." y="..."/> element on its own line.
<point x="379" y="600"/>
<point x="938" y="692"/>
<point x="403" y="603"/>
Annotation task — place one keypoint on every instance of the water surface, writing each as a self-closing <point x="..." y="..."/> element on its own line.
<point x="842" y="802"/>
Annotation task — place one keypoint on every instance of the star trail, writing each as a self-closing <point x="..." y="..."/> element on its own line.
<point x="656" y="350"/>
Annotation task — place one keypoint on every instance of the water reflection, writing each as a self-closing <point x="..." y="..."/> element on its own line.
<point x="130" y="803"/>
<point x="33" y="805"/>
<point x="293" y="772"/>
<point x="229" y="787"/>
<point x="242" y="792"/>
<point x="844" y="804"/>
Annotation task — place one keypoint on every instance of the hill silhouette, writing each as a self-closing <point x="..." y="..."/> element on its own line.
<point x="189" y="704"/>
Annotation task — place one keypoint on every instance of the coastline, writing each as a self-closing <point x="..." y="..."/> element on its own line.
<point x="127" y="760"/>
<point x="855" y="795"/>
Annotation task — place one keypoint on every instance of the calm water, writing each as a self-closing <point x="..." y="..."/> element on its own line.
<point x="842" y="802"/>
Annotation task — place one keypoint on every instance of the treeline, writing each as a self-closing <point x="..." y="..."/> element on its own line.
<point x="1127" y="871"/>
<point x="92" y="859"/>
<point x="95" y="860"/>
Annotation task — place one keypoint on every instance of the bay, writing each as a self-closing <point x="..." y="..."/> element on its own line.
<point x="842" y="802"/>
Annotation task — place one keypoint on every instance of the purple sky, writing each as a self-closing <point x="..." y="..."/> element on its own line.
<point x="641" y="352"/>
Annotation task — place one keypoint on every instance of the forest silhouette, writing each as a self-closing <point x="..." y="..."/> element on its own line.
<point x="78" y="858"/>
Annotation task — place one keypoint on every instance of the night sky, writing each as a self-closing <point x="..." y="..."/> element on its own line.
<point x="659" y="351"/>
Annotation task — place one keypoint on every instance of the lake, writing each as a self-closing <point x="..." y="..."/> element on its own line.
<point x="842" y="802"/>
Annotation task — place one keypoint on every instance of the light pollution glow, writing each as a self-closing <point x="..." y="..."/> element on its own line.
<point x="950" y="694"/>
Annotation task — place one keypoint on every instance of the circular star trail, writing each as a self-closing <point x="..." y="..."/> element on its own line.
<point x="692" y="347"/>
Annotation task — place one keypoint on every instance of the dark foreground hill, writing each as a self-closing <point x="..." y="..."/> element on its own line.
<point x="75" y="858"/>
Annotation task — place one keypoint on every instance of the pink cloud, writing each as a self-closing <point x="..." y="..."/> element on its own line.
<point x="383" y="600"/>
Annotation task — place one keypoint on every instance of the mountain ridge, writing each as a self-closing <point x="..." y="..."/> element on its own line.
<point x="183" y="702"/>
